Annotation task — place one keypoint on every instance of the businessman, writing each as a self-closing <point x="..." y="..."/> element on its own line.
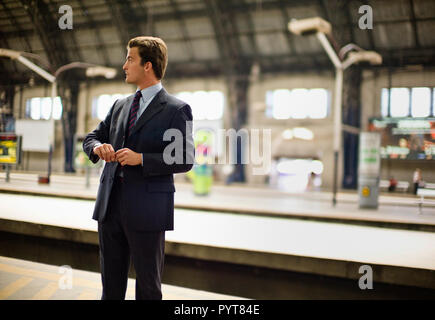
<point x="135" y="200"/>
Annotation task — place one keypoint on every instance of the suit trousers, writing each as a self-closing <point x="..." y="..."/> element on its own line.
<point x="118" y="243"/>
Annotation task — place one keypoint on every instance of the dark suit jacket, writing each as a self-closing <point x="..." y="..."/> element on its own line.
<point x="149" y="189"/>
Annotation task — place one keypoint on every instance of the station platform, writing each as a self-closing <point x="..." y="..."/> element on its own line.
<point x="395" y="211"/>
<point x="306" y="259"/>
<point x="25" y="280"/>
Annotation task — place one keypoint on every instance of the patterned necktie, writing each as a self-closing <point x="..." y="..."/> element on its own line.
<point x="133" y="112"/>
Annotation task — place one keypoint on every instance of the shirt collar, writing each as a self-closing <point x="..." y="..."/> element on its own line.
<point x="149" y="92"/>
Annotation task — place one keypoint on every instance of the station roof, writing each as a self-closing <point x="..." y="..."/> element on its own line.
<point x="211" y="37"/>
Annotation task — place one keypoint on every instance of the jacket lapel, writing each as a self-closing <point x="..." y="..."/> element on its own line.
<point x="122" y="122"/>
<point x="125" y="111"/>
<point x="155" y="106"/>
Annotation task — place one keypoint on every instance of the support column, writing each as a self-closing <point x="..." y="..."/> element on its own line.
<point x="238" y="104"/>
<point x="69" y="122"/>
<point x="351" y="125"/>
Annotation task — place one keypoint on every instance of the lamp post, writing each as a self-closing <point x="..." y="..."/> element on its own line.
<point x="92" y="70"/>
<point x="16" y="55"/>
<point x="321" y="29"/>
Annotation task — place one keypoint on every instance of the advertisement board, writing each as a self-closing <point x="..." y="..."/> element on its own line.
<point x="406" y="138"/>
<point x="10" y="148"/>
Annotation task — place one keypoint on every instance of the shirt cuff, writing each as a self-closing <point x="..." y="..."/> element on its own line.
<point x="142" y="158"/>
<point x="96" y="145"/>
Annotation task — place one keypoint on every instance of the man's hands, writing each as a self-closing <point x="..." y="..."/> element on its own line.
<point x="105" y="152"/>
<point x="127" y="156"/>
<point x="124" y="156"/>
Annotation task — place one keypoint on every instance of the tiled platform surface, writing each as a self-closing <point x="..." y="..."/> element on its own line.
<point x="25" y="280"/>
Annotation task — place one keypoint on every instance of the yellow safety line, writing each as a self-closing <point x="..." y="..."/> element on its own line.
<point x="14" y="287"/>
<point x="30" y="272"/>
<point x="47" y="292"/>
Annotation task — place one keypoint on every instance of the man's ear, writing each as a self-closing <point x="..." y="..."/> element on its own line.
<point x="148" y="66"/>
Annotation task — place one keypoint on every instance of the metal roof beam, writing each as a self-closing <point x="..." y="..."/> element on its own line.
<point x="289" y="36"/>
<point x="324" y="8"/>
<point x="127" y="19"/>
<point x="118" y="20"/>
<point x="201" y="13"/>
<point x="5" y="43"/>
<point x="251" y="35"/>
<point x="228" y="63"/>
<point x="101" y="47"/>
<point x="183" y="29"/>
<point x="349" y="21"/>
<point x="47" y="29"/>
<point x="370" y="31"/>
<point x="233" y="33"/>
<point x="22" y="34"/>
<point x="131" y="18"/>
<point x="68" y="34"/>
<point x="414" y="23"/>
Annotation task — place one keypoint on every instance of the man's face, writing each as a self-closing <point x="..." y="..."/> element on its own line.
<point x="134" y="71"/>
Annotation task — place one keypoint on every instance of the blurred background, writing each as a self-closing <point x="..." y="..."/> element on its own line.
<point x="310" y="76"/>
<point x="239" y="66"/>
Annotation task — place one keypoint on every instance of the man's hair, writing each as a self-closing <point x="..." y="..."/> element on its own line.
<point x="154" y="50"/>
